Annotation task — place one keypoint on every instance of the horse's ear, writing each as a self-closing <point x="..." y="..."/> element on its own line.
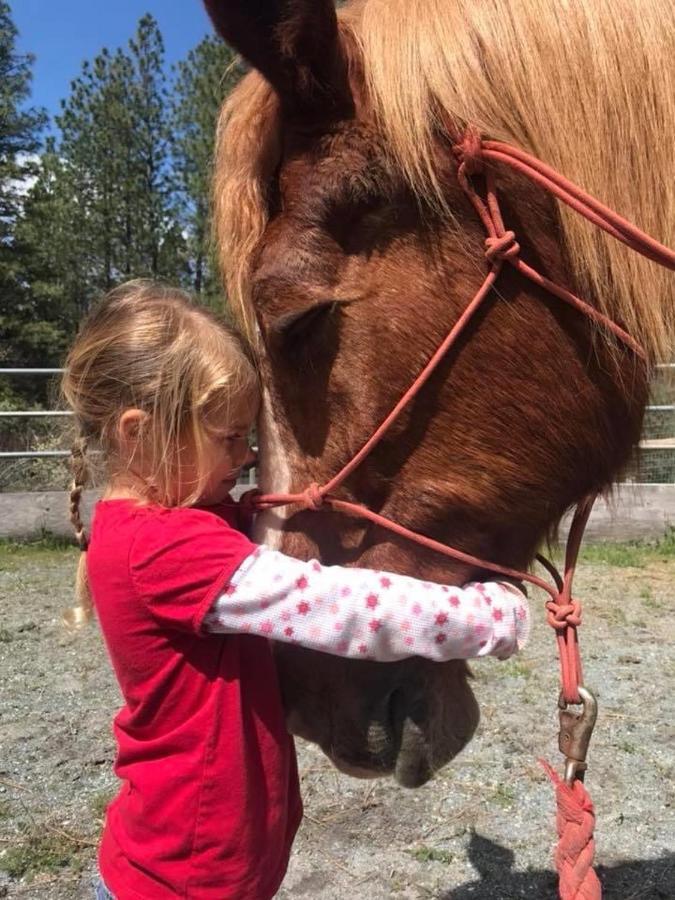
<point x="295" y="45"/>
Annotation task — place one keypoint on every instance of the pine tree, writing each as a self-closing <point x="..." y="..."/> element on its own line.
<point x="203" y="81"/>
<point x="153" y="211"/>
<point x="20" y="128"/>
<point x="50" y="262"/>
<point x="94" y="136"/>
<point x="115" y="156"/>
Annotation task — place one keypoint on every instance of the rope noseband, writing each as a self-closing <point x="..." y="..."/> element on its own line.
<point x="575" y="811"/>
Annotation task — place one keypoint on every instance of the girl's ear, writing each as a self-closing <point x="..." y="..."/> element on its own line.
<point x="295" y="45"/>
<point x="130" y="427"/>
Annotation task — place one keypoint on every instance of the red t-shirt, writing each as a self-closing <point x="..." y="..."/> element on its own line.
<point x="210" y="801"/>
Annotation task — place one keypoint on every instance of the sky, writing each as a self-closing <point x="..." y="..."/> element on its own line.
<point x="63" y="33"/>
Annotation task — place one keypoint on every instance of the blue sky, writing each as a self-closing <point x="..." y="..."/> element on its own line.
<point x="63" y="33"/>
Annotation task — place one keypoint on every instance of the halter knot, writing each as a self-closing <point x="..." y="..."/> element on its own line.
<point x="249" y="500"/>
<point x="561" y="615"/>
<point x="469" y="151"/>
<point x="312" y="497"/>
<point x="503" y="247"/>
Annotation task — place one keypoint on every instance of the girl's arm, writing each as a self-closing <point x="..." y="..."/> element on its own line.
<point x="369" y="615"/>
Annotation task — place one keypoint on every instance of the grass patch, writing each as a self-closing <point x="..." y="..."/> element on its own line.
<point x="41" y="851"/>
<point x="99" y="803"/>
<point x="613" y="614"/>
<point x="514" y="668"/>
<point x="504" y="795"/>
<point x="430" y="854"/>
<point x="46" y="547"/>
<point x="649" y="601"/>
<point x="44" y="542"/>
<point x="636" y="554"/>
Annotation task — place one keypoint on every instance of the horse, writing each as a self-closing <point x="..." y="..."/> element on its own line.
<point x="349" y="249"/>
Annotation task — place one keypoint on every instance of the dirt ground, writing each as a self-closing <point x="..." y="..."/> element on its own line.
<point x="483" y="828"/>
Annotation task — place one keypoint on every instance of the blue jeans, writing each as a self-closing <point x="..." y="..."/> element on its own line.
<point x="102" y="892"/>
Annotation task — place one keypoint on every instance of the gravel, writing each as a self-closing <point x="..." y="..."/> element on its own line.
<point x="483" y="828"/>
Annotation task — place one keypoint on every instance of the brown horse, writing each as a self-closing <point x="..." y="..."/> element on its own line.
<point x="349" y="251"/>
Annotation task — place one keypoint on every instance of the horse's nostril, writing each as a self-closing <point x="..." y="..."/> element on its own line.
<point x="394" y="712"/>
<point x="383" y="735"/>
<point x="384" y="713"/>
<point x="413" y="766"/>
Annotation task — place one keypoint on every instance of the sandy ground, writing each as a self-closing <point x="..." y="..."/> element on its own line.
<point x="483" y="828"/>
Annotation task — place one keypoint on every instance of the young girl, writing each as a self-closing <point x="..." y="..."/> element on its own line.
<point x="209" y="803"/>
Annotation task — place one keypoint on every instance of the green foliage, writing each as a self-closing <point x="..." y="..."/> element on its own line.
<point x="119" y="184"/>
<point x="121" y="191"/>
<point x="203" y="80"/>
<point x="20" y="128"/>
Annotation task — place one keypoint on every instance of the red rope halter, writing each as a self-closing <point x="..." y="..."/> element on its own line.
<point x="564" y="611"/>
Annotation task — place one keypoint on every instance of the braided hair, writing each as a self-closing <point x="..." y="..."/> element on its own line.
<point x="81" y="612"/>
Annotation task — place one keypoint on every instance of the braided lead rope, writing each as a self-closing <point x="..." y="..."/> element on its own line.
<point x="575" y="824"/>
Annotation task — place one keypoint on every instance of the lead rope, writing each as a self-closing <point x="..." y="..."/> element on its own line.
<point x="576" y="817"/>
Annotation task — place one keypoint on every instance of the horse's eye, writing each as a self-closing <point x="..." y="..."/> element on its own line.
<point x="295" y="326"/>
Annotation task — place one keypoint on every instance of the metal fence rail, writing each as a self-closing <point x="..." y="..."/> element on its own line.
<point x="33" y="413"/>
<point x="666" y="443"/>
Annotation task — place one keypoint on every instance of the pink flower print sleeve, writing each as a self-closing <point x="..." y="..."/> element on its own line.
<point x="369" y="615"/>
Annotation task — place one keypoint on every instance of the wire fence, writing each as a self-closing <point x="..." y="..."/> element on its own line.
<point x="39" y="463"/>
<point x="655" y="461"/>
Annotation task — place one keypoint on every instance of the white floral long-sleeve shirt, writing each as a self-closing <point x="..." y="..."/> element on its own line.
<point x="365" y="614"/>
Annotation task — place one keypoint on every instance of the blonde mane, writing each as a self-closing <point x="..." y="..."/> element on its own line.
<point x="588" y="87"/>
<point x="248" y="147"/>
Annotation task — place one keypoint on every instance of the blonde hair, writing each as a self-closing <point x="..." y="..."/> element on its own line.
<point x="588" y="87"/>
<point x="147" y="346"/>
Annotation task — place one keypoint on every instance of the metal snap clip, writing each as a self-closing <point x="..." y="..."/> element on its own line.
<point x="575" y="734"/>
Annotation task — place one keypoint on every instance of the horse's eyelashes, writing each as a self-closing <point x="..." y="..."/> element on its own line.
<point x="293" y="326"/>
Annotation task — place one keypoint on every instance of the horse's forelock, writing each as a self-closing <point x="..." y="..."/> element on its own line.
<point x="248" y="149"/>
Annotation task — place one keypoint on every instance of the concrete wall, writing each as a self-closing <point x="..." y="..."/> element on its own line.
<point x="30" y="513"/>
<point x="637" y="511"/>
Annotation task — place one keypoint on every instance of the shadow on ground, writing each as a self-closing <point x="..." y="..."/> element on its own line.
<point x="650" y="879"/>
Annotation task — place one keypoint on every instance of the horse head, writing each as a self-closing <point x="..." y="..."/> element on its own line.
<point x="350" y="249"/>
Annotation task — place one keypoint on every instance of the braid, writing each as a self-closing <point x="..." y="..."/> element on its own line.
<point x="80" y="470"/>
<point x="80" y="613"/>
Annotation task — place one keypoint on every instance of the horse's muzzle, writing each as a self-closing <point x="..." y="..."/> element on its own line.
<point x="372" y="719"/>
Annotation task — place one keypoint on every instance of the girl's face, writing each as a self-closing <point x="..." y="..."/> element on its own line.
<point x="225" y="453"/>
